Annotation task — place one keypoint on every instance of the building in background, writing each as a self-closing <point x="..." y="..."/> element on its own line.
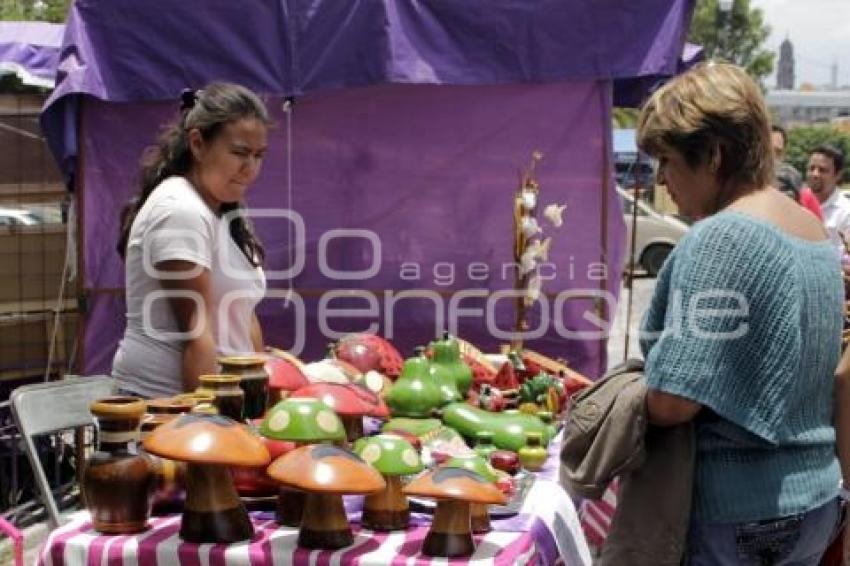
<point x="810" y="107"/>
<point x="785" y="68"/>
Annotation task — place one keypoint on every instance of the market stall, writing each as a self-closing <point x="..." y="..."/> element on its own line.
<point x="438" y="170"/>
<point x="403" y="124"/>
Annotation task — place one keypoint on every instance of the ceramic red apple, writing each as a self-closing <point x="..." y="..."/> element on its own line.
<point x="505" y="460"/>
<point x="370" y="352"/>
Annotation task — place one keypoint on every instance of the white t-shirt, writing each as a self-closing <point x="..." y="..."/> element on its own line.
<point x="836" y="218"/>
<point x="176" y="224"/>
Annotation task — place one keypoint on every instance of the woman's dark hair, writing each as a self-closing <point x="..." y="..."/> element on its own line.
<point x="208" y="111"/>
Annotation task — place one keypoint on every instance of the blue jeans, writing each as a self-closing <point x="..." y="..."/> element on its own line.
<point x="797" y="540"/>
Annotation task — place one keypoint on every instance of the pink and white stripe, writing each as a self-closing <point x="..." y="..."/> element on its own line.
<point x="77" y="544"/>
<point x="597" y="514"/>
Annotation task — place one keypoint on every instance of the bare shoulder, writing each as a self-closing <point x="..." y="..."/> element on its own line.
<point x="776" y="208"/>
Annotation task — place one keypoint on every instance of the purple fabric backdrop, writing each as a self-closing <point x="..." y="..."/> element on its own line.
<point x="431" y="170"/>
<point x="126" y="50"/>
<point x="31" y="49"/>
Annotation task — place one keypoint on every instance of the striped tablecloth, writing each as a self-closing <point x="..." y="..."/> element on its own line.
<point x="546" y="531"/>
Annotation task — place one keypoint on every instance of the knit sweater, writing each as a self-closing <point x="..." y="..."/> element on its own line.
<point x="746" y="321"/>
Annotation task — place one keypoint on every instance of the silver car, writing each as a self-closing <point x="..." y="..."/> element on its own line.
<point x="657" y="234"/>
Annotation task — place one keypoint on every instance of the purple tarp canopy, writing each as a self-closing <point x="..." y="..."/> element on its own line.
<point x="31" y="51"/>
<point x="410" y="123"/>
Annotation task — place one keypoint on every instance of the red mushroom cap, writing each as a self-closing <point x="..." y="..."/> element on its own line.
<point x="349" y="399"/>
<point x="284" y="374"/>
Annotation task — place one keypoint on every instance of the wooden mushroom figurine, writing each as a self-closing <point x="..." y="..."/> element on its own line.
<point x="325" y="472"/>
<point x="479" y="513"/>
<point x="393" y="457"/>
<point x="302" y="420"/>
<point x="350" y="401"/>
<point x="454" y="489"/>
<point x="210" y="443"/>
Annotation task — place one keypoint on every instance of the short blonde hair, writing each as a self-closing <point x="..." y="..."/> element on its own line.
<point x="714" y="106"/>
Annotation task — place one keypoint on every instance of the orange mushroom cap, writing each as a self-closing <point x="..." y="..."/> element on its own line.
<point x="327" y="469"/>
<point x="207" y="439"/>
<point x="456" y="483"/>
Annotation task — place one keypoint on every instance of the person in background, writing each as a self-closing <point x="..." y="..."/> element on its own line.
<point x="192" y="262"/>
<point x="786" y="178"/>
<point x="823" y="173"/>
<point x="733" y="339"/>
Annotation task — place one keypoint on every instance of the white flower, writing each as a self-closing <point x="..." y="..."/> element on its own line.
<point x="532" y="293"/>
<point x="554" y="214"/>
<point x="530" y="227"/>
<point x="541" y="248"/>
<point x="529" y="199"/>
<point x="528" y="261"/>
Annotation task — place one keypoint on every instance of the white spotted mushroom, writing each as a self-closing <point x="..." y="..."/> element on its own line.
<point x="303" y="420"/>
<point x="455" y="489"/>
<point x="325" y="473"/>
<point x="209" y="444"/>
<point x="351" y="401"/>
<point x="394" y="457"/>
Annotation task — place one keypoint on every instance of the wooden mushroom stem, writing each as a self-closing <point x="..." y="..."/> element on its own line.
<point x="388" y="509"/>
<point x="450" y="534"/>
<point x="353" y="426"/>
<point x="290" y="507"/>
<point x="480" y="518"/>
<point x="213" y="512"/>
<point x="324" y="524"/>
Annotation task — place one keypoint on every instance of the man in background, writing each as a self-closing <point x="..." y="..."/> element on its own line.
<point x="786" y="178"/>
<point x="823" y="173"/>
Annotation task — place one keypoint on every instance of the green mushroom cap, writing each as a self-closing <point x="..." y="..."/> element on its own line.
<point x="473" y="463"/>
<point x="302" y="419"/>
<point x="389" y="454"/>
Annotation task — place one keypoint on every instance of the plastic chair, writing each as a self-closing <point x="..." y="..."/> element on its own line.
<point x="46" y="408"/>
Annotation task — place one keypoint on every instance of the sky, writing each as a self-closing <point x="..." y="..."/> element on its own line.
<point x="819" y="31"/>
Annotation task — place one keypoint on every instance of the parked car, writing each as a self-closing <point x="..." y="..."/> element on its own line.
<point x="18" y="217"/>
<point x="656" y="234"/>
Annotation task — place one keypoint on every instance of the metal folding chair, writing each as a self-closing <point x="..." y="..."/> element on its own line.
<point x="46" y="408"/>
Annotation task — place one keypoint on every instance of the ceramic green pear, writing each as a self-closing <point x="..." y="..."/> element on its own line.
<point x="444" y="374"/>
<point x="415" y="393"/>
<point x="447" y="358"/>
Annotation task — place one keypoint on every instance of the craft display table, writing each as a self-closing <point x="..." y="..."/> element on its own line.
<point x="545" y="531"/>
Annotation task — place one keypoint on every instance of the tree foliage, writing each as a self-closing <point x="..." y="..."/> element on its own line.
<point x="624" y="117"/>
<point x="54" y="11"/>
<point x="34" y="10"/>
<point x="737" y="37"/>
<point x="804" y="139"/>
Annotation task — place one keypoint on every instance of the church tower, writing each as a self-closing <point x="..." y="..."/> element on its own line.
<point x="785" y="70"/>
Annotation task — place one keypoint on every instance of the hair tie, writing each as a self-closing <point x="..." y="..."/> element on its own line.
<point x="188" y="98"/>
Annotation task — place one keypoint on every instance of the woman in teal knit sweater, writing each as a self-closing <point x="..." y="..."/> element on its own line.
<point x="743" y="333"/>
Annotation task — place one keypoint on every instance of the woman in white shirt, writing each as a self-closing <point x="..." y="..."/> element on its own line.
<point x="192" y="262"/>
